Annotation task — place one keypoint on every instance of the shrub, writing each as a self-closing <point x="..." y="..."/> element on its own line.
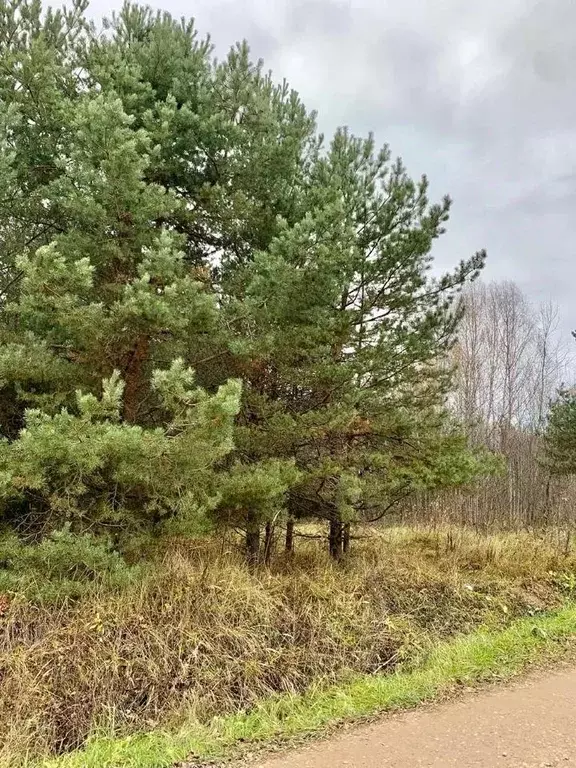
<point x="61" y="566"/>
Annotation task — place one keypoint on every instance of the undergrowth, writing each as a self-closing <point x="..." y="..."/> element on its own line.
<point x="469" y="659"/>
<point x="62" y="566"/>
<point x="199" y="636"/>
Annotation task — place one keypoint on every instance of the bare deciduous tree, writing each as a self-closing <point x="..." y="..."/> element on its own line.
<point x="510" y="360"/>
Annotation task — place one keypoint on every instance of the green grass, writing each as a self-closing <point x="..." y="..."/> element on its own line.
<point x="480" y="656"/>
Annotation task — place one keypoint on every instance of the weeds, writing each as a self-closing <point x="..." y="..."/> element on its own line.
<point x="198" y="636"/>
<point x="474" y="658"/>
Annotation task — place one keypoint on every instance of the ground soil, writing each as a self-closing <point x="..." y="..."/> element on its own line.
<point x="530" y="724"/>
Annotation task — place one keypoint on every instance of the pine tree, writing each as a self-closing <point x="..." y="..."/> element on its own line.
<point x="342" y="334"/>
<point x="560" y="435"/>
<point x="320" y="260"/>
<point x="233" y="148"/>
<point x="189" y="216"/>
<point x="40" y="79"/>
<point x="106" y="425"/>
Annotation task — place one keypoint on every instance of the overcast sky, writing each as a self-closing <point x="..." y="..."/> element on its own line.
<point x="480" y="96"/>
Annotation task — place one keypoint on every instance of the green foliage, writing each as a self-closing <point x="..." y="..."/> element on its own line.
<point x="60" y="567"/>
<point x="93" y="466"/>
<point x="341" y="334"/>
<point x="105" y="425"/>
<point x="257" y="490"/>
<point x="162" y="213"/>
<point x="560" y="437"/>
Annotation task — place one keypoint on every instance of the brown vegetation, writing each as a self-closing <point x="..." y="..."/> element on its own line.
<point x="201" y="635"/>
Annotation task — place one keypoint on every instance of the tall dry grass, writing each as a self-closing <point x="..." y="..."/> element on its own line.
<point x="201" y="635"/>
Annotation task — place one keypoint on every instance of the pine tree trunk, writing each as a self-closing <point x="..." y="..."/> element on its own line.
<point x="133" y="376"/>
<point x="252" y="540"/>
<point x="346" y="538"/>
<point x="289" y="545"/>
<point x="268" y="542"/>
<point x="335" y="539"/>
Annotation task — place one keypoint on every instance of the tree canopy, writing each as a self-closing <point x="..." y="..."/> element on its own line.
<point x="208" y="312"/>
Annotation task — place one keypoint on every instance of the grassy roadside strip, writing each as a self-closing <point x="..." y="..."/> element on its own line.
<point x="482" y="655"/>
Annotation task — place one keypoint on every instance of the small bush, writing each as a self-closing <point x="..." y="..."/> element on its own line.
<point x="60" y="567"/>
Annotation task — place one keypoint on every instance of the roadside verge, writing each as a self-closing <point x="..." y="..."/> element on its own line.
<point x="467" y="660"/>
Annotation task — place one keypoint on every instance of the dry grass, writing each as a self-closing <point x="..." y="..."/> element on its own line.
<point x="201" y="636"/>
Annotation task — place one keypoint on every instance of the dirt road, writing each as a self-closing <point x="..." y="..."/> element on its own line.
<point x="530" y="725"/>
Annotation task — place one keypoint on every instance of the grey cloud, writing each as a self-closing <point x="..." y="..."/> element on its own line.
<point x="309" y="17"/>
